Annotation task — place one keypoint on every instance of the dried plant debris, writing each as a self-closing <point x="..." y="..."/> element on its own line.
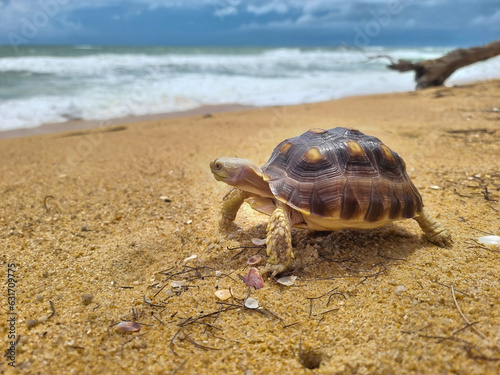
<point x="485" y="186"/>
<point x="476" y="135"/>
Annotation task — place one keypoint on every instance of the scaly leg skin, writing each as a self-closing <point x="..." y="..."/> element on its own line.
<point x="434" y="230"/>
<point x="231" y="203"/>
<point x="279" y="241"/>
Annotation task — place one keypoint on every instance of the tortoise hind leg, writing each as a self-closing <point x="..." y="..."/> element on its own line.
<point x="434" y="230"/>
<point x="231" y="203"/>
<point x="279" y="241"/>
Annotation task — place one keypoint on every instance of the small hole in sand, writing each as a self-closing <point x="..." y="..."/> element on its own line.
<point x="309" y="358"/>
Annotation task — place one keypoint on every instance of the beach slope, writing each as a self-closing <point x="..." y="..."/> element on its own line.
<point x="101" y="226"/>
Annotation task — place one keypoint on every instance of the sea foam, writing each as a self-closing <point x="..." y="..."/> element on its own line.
<point x="99" y="84"/>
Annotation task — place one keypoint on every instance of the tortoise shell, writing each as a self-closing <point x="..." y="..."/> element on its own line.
<point x="342" y="174"/>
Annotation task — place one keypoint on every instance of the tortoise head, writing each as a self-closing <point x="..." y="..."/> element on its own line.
<point x="240" y="173"/>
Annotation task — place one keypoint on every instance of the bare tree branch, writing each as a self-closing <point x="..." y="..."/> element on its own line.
<point x="429" y="73"/>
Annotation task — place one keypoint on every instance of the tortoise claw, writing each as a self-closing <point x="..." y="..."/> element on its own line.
<point x="273" y="269"/>
<point x="441" y="239"/>
<point x="227" y="225"/>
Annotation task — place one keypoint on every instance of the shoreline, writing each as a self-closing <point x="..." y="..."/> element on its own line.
<point x="78" y="125"/>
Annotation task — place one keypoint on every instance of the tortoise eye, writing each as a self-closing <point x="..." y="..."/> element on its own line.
<point x="218" y="166"/>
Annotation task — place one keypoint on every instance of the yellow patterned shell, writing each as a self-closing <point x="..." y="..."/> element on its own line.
<point x="343" y="175"/>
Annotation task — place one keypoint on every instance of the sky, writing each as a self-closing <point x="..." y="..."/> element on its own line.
<point x="357" y="23"/>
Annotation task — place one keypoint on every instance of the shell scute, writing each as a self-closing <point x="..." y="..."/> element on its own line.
<point x="342" y="174"/>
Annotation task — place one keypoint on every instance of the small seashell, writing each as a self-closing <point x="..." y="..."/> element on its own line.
<point x="223" y="294"/>
<point x="400" y="289"/>
<point x="218" y="273"/>
<point x="251" y="303"/>
<point x="287" y="280"/>
<point x="435" y="187"/>
<point x="254" y="260"/>
<point x="253" y="278"/>
<point x="194" y="256"/>
<point x="177" y="284"/>
<point x="259" y="241"/>
<point x="490" y="240"/>
<point x="128" y="327"/>
<point x="165" y="199"/>
<point x="189" y="222"/>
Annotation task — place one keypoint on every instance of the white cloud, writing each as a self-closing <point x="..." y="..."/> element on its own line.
<point x="273" y="14"/>
<point x="225" y="8"/>
<point x="268" y="7"/>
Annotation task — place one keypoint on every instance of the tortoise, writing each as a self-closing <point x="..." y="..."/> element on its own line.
<point x="324" y="180"/>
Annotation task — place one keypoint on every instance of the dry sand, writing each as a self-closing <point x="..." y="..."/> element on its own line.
<point x="82" y="214"/>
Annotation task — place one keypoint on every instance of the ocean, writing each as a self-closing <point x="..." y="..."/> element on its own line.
<point x="42" y="84"/>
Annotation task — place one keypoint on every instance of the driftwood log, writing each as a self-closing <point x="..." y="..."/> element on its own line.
<point x="430" y="73"/>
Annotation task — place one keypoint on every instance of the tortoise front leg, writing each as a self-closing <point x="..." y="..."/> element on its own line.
<point x="434" y="230"/>
<point x="231" y="203"/>
<point x="279" y="241"/>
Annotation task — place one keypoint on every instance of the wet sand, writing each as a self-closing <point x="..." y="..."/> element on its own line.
<point x="99" y="222"/>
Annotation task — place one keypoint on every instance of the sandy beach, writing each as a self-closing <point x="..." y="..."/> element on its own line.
<point x="101" y="225"/>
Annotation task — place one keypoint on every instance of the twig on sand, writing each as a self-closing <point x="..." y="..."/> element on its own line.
<point x="189" y="339"/>
<point x="184" y="336"/>
<point x="468" y="346"/>
<point x="54" y="312"/>
<point x="180" y="367"/>
<point x="244" y="248"/>
<point x="151" y="304"/>
<point x="462" y="314"/>
<point x="330" y="293"/>
<point x="45" y="202"/>
<point x="449" y="287"/>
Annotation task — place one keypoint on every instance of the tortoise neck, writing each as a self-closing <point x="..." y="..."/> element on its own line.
<point x="252" y="181"/>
